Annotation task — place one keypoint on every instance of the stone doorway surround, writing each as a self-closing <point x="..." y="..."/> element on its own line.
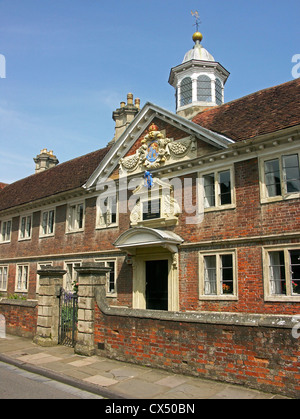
<point x="148" y="244"/>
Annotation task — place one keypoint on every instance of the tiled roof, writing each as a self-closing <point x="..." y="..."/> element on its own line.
<point x="64" y="177"/>
<point x="259" y="113"/>
<point x="2" y="185"/>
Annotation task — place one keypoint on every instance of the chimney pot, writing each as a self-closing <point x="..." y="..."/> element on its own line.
<point x="124" y="115"/>
<point x="130" y="99"/>
<point x="137" y="103"/>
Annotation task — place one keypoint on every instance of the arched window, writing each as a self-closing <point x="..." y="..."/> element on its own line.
<point x="186" y="91"/>
<point x="219" y="94"/>
<point x="204" y="89"/>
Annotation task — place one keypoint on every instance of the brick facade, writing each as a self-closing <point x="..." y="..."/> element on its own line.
<point x="260" y="223"/>
<point x="248" y="229"/>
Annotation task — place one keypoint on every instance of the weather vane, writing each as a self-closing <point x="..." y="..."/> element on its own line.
<point x="196" y="16"/>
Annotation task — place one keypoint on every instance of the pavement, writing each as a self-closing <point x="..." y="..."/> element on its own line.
<point x="114" y="379"/>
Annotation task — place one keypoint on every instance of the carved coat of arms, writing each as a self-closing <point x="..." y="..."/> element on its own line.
<point x="155" y="150"/>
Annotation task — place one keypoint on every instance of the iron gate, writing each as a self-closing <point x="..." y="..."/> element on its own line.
<point x="68" y="309"/>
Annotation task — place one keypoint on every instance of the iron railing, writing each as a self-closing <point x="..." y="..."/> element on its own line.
<point x="68" y="318"/>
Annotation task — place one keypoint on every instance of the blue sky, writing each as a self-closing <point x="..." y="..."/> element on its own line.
<point x="69" y="64"/>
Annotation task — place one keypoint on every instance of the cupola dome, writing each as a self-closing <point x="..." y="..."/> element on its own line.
<point x="199" y="80"/>
<point x="198" y="52"/>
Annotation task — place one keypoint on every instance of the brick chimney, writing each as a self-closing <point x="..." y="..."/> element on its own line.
<point x="45" y="160"/>
<point x="124" y="115"/>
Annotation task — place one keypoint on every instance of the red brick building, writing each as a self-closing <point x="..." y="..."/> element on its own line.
<point x="210" y="233"/>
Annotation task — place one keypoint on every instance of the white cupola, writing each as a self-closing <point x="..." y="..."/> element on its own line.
<point x="199" y="81"/>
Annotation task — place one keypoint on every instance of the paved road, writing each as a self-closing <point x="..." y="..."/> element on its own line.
<point x="19" y="384"/>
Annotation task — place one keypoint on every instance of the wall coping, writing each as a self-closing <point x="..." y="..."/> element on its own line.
<point x="16" y="302"/>
<point x="207" y="317"/>
<point x="92" y="268"/>
<point x="51" y="271"/>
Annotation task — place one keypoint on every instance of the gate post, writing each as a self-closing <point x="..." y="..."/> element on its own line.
<point x="90" y="276"/>
<point x="51" y="280"/>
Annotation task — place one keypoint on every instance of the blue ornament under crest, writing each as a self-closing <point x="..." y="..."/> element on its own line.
<point x="148" y="179"/>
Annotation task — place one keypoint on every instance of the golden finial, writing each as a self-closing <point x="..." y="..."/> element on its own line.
<point x="197" y="36"/>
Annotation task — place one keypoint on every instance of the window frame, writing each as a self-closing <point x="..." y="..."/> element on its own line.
<point x="2" y="267"/>
<point x="186" y="91"/>
<point x="219" y="296"/>
<point x="26" y="217"/>
<point x="219" y="92"/>
<point x="268" y="296"/>
<point x="106" y="261"/>
<point x="150" y="202"/>
<point x="47" y="234"/>
<point x="72" y="225"/>
<point x="265" y="198"/>
<point x="5" y="221"/>
<point x="22" y="289"/>
<point x="74" y="275"/>
<point x="168" y="205"/>
<point x="105" y="220"/>
<point x="201" y="97"/>
<point x="217" y="192"/>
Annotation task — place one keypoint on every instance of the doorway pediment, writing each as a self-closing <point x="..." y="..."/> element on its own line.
<point x="142" y="237"/>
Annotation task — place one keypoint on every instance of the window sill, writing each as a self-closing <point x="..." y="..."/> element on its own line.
<point x="218" y="298"/>
<point x="282" y="299"/>
<point x="45" y="236"/>
<point x="104" y="227"/>
<point x="279" y="198"/>
<point x="75" y="231"/>
<point x="220" y="208"/>
<point x="24" y="239"/>
<point x="111" y="295"/>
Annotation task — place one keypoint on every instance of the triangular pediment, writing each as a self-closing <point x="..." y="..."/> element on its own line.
<point x="142" y="147"/>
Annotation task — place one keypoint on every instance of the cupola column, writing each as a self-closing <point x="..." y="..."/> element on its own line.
<point x="194" y="84"/>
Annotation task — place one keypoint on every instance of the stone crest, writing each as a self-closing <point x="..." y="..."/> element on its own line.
<point x="156" y="150"/>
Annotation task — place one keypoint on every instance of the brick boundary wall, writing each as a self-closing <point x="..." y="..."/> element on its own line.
<point x="257" y="351"/>
<point x="20" y="317"/>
